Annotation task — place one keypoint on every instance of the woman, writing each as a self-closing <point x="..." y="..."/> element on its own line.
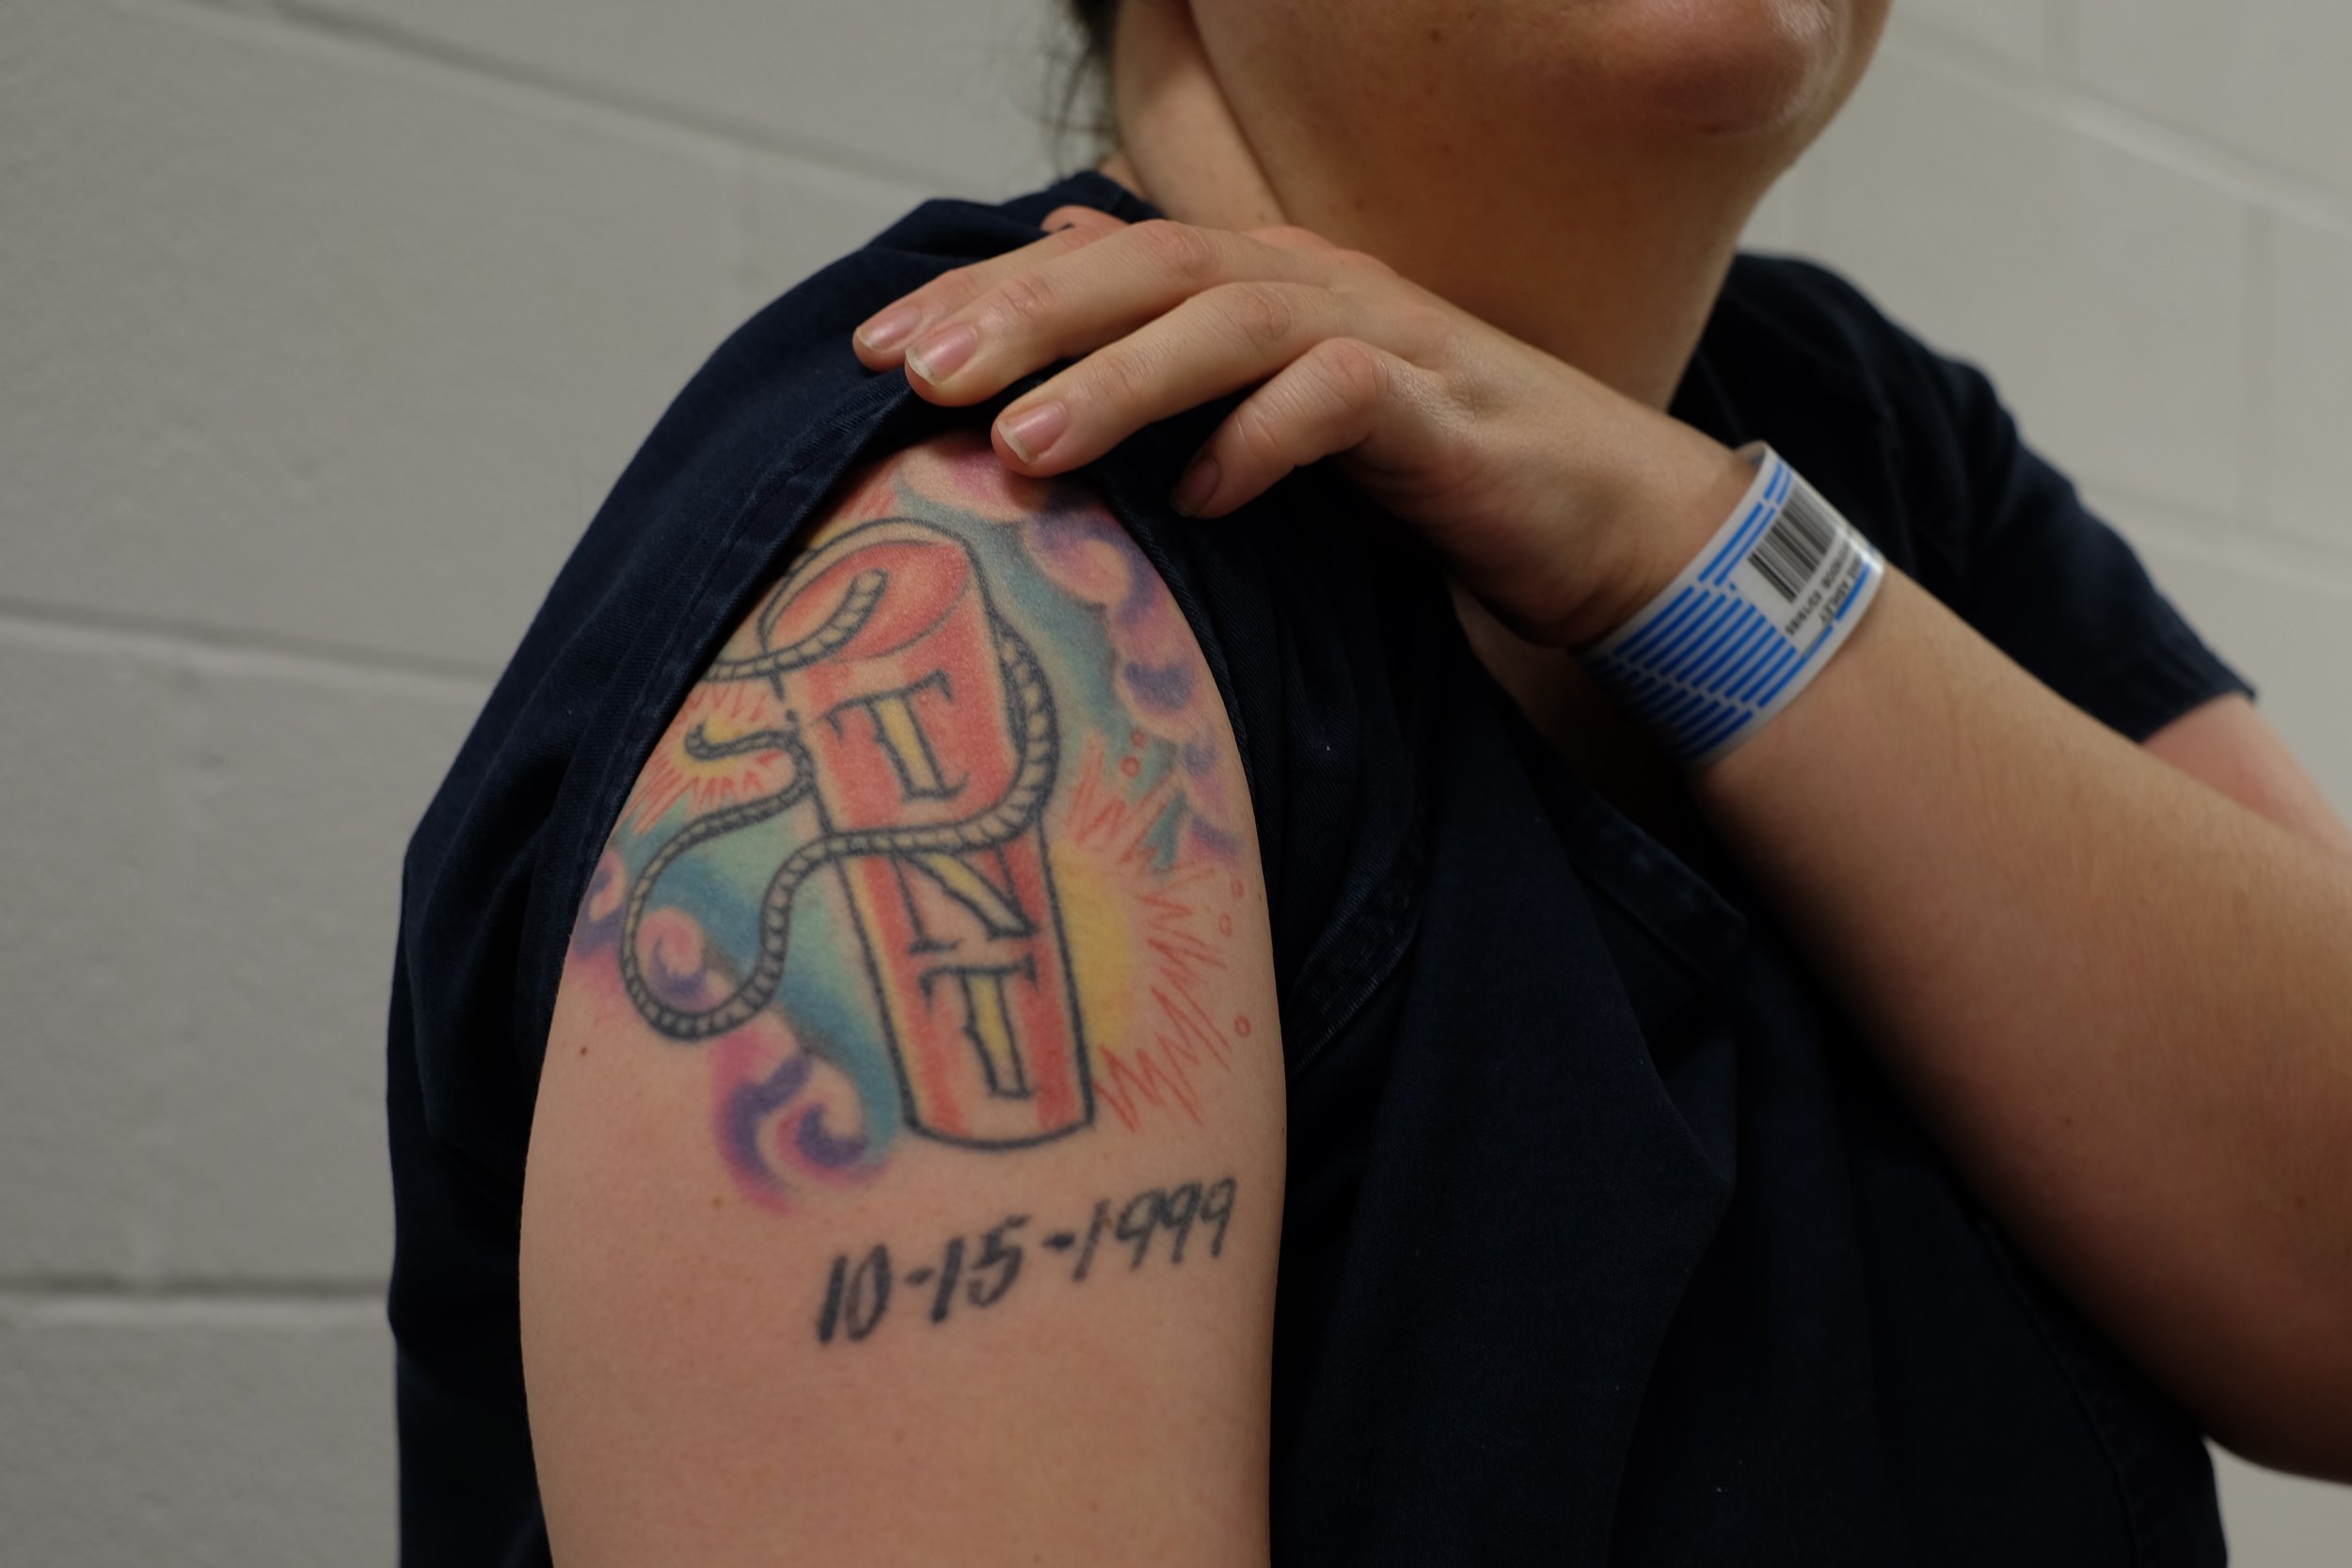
<point x="965" y="931"/>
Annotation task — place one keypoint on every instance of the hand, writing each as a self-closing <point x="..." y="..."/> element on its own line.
<point x="1561" y="504"/>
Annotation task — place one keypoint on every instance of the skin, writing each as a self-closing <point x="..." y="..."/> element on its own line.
<point x="2126" y="1028"/>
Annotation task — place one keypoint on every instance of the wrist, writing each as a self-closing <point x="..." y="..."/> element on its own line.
<point x="1663" y="511"/>
<point x="1747" y="621"/>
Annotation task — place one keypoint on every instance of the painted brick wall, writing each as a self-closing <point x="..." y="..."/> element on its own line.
<point x="323" y="326"/>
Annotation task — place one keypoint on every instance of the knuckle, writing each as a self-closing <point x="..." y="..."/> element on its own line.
<point x="1361" y="267"/>
<point x="954" y="289"/>
<point x="1258" y="440"/>
<point x="1430" y="330"/>
<point x="1266" y="315"/>
<point x="1027" y="300"/>
<point x="1356" y="372"/>
<point x="1179" y="248"/>
<point x="1112" y="379"/>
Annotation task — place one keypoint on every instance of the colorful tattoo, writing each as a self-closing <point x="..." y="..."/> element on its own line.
<point x="946" y="844"/>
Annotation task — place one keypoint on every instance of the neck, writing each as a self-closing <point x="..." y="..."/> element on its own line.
<point x="1610" y="262"/>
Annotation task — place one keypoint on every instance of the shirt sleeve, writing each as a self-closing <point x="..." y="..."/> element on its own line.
<point x="2056" y="588"/>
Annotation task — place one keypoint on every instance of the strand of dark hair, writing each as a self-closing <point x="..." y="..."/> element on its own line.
<point x="1083" y="79"/>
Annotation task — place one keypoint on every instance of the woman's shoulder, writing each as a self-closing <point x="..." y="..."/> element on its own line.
<point x="746" y="450"/>
<point x="1917" y="445"/>
<point x="780" y="431"/>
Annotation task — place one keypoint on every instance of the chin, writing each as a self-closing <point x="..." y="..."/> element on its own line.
<point x="1719" y="68"/>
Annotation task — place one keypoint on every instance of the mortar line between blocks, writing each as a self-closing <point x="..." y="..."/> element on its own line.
<point x="217" y="650"/>
<point x="371" y="37"/>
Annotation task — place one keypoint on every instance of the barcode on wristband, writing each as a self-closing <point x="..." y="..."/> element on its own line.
<point x="1744" y="627"/>
<point x="1791" y="550"/>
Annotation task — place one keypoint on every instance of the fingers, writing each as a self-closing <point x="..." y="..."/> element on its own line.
<point x="878" y="339"/>
<point x="1331" y="398"/>
<point x="1230" y="336"/>
<point x="1160" y="317"/>
<point x="1076" y="291"/>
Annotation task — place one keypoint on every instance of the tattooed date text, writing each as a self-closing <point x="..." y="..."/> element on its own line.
<point x="980" y="1270"/>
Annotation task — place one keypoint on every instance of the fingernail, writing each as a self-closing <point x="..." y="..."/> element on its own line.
<point x="1032" y="430"/>
<point x="1192" y="490"/>
<point x="885" y="330"/>
<point x="938" y="354"/>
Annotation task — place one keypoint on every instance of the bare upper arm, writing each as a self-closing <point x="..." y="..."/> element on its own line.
<point x="905" y="1178"/>
<point x="2226" y="743"/>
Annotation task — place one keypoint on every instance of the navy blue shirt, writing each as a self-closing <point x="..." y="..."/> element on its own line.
<point x="1605" y="1239"/>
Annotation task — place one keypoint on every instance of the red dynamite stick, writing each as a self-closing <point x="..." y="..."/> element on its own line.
<point x="909" y="723"/>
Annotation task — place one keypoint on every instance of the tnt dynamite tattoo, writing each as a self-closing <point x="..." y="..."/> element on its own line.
<point x="923" y="700"/>
<point x="938" y="847"/>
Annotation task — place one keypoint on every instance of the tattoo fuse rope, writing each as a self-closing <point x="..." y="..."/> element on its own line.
<point x="1748" y="623"/>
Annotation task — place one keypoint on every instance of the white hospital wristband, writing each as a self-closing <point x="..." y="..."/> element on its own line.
<point x="1730" y="641"/>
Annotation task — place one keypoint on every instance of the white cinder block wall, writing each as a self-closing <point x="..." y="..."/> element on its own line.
<point x="323" y="326"/>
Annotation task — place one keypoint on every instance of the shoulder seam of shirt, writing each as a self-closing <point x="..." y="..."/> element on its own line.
<point x="692" y="637"/>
